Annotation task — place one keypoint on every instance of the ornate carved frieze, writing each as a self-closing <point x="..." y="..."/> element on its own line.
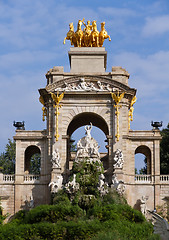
<point x="84" y="85"/>
<point x="89" y="84"/>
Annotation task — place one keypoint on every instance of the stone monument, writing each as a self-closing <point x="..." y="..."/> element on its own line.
<point x="86" y="96"/>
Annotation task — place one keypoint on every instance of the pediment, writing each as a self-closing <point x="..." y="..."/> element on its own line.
<point x="89" y="84"/>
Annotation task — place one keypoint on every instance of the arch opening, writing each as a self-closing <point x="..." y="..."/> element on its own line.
<point x="76" y="131"/>
<point x="83" y="119"/>
<point x="32" y="160"/>
<point x="142" y="160"/>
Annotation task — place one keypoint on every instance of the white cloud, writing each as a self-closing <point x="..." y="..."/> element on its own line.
<point x="150" y="73"/>
<point x="150" y="76"/>
<point x="156" y="26"/>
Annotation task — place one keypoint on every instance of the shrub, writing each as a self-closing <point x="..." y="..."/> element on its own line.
<point x="53" y="213"/>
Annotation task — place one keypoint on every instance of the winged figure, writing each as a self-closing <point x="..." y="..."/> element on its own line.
<point x="117" y="98"/>
<point x="134" y="99"/>
<point x="57" y="98"/>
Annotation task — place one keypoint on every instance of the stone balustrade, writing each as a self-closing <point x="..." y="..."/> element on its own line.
<point x="142" y="178"/>
<point x="31" y="178"/>
<point x="8" y="178"/>
<point x="164" y="178"/>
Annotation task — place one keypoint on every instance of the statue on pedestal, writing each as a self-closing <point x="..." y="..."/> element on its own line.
<point x="87" y="147"/>
<point x="55" y="158"/>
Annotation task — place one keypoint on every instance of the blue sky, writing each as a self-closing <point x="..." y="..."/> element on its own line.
<point x="31" y="42"/>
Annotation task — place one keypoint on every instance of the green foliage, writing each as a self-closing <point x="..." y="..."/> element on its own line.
<point x="50" y="213"/>
<point x="87" y="175"/>
<point x="61" y="197"/>
<point x="74" y="230"/>
<point x="144" y="169"/>
<point x="113" y="198"/>
<point x="2" y="217"/>
<point x="164" y="151"/>
<point x="7" y="158"/>
<point x="35" y="163"/>
<point x="86" y="216"/>
<point x="115" y="212"/>
<point x="19" y="216"/>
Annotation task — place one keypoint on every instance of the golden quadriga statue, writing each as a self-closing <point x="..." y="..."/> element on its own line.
<point x="89" y="36"/>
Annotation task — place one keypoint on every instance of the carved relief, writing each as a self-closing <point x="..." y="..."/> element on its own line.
<point x="118" y="159"/>
<point x="55" y="159"/>
<point x="84" y="85"/>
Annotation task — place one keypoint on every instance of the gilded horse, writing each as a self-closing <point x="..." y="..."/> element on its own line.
<point x="103" y="35"/>
<point x="79" y="33"/>
<point x="94" y="35"/>
<point x="71" y="35"/>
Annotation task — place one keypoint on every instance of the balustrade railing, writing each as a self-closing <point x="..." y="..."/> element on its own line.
<point x="164" y="178"/>
<point x="31" y="178"/>
<point x="8" y="178"/>
<point x="142" y="178"/>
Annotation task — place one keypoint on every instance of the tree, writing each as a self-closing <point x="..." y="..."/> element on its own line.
<point x="164" y="151"/>
<point x="144" y="169"/>
<point x="7" y="158"/>
<point x="35" y="163"/>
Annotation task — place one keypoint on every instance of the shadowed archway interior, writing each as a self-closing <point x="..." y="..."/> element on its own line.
<point x="85" y="119"/>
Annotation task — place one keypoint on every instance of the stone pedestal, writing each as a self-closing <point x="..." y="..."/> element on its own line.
<point x="87" y="60"/>
<point x="55" y="173"/>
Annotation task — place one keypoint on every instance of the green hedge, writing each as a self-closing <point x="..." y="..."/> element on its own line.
<point x="53" y="213"/>
<point x="72" y="230"/>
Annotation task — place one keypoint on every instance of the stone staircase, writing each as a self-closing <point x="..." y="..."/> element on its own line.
<point x="161" y="226"/>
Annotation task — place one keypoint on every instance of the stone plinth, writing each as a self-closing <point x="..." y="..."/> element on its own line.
<point x="87" y="59"/>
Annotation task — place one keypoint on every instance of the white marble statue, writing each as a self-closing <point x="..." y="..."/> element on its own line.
<point x="72" y="186"/>
<point x="56" y="185"/>
<point x="87" y="147"/>
<point x="143" y="205"/>
<point x="118" y="159"/>
<point x="88" y="129"/>
<point x="118" y="185"/>
<point x="55" y="158"/>
<point x="102" y="185"/>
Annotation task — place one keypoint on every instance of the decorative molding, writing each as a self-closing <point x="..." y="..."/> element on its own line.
<point x="105" y="81"/>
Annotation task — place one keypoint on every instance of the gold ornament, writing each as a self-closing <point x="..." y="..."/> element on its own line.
<point x="41" y="100"/>
<point x="89" y="36"/>
<point x="131" y="110"/>
<point x="57" y="100"/>
<point x="117" y="98"/>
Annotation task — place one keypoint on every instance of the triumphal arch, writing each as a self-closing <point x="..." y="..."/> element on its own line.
<point x="85" y="96"/>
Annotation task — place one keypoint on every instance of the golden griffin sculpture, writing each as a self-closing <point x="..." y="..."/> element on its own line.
<point x="89" y="36"/>
<point x="131" y="110"/>
<point x="117" y="98"/>
<point x="44" y="109"/>
<point x="57" y="99"/>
